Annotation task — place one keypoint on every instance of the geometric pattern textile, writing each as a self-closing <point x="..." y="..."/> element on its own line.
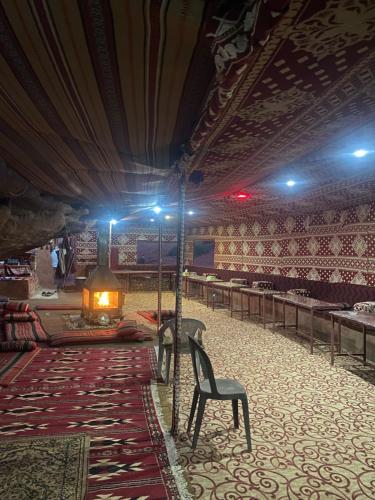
<point x="17" y="307"/>
<point x="17" y="346"/>
<point x="123" y="245"/>
<point x="299" y="291"/>
<point x="365" y="307"/>
<point x="26" y="330"/>
<point x="105" y="393"/>
<point x="84" y="337"/>
<point x="13" y="363"/>
<point x="52" y="467"/>
<point x="21" y="316"/>
<point x="334" y="247"/>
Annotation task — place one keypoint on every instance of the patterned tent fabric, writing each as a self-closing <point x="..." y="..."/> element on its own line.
<point x="100" y="99"/>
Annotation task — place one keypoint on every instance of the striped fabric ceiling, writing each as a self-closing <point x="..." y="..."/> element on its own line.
<point x="94" y="94"/>
<point x="99" y="99"/>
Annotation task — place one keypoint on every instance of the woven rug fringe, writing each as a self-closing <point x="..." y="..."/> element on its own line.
<point x="177" y="470"/>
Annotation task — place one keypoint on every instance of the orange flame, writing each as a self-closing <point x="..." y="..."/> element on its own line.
<point x="103" y="299"/>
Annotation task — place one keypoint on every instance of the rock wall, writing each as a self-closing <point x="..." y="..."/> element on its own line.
<point x="29" y="219"/>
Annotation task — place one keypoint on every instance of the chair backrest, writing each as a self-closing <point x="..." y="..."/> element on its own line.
<point x="189" y="327"/>
<point x="201" y="361"/>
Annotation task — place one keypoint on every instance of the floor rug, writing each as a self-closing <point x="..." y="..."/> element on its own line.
<point x="105" y="393"/>
<point x="53" y="467"/>
<point x="149" y="315"/>
<point x="12" y="364"/>
<point x="58" y="307"/>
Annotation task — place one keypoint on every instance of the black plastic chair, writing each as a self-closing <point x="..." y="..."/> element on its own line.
<point x="190" y="327"/>
<point x="211" y="388"/>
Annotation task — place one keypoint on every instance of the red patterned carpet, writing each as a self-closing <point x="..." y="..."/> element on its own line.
<point x="107" y="394"/>
<point x="12" y="364"/>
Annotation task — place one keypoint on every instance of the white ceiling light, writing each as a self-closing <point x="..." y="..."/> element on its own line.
<point x="360" y="153"/>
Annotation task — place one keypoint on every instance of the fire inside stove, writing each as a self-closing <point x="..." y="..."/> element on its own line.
<point x="105" y="299"/>
<point x="108" y="300"/>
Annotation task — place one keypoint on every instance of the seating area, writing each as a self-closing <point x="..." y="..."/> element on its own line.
<point x="187" y="250"/>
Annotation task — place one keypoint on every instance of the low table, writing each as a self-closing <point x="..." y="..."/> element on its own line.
<point x="202" y="282"/>
<point x="306" y="303"/>
<point x="262" y="294"/>
<point x="366" y="321"/>
<point x="199" y="280"/>
<point x="224" y="286"/>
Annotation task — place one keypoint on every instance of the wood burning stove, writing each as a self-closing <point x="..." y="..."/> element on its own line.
<point x="102" y="294"/>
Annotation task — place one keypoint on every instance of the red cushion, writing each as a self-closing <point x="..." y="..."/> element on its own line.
<point x="126" y="323"/>
<point x="84" y="337"/>
<point x="128" y="332"/>
<point x="17" y="346"/>
<point x="17" y="306"/>
<point x="21" y="316"/>
<point x="25" y="330"/>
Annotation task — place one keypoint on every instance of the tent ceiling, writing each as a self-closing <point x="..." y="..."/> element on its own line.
<point x="98" y="100"/>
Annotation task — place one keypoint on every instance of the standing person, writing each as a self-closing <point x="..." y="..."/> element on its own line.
<point x="54" y="263"/>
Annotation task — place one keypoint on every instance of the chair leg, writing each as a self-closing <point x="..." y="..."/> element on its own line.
<point x="235" y="413"/>
<point x="160" y="359"/>
<point x="168" y="356"/>
<point x="198" y="422"/>
<point x="192" y="411"/>
<point x="246" y="420"/>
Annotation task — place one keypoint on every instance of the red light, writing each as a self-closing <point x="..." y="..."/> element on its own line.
<point x="242" y="196"/>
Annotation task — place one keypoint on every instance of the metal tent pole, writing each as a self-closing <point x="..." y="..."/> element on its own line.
<point x="177" y="332"/>
<point x="160" y="273"/>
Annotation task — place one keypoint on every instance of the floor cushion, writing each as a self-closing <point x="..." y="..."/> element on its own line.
<point x="127" y="330"/>
<point x="25" y="330"/>
<point x="84" y="337"/>
<point x="365" y="306"/>
<point x="138" y="336"/>
<point x="124" y="323"/>
<point x="17" y="346"/>
<point x="14" y="306"/>
<point x="21" y="316"/>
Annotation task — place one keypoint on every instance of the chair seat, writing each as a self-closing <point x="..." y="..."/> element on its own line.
<point x="225" y="387"/>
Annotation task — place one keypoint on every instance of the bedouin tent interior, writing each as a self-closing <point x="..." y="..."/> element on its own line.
<point x="187" y="245"/>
